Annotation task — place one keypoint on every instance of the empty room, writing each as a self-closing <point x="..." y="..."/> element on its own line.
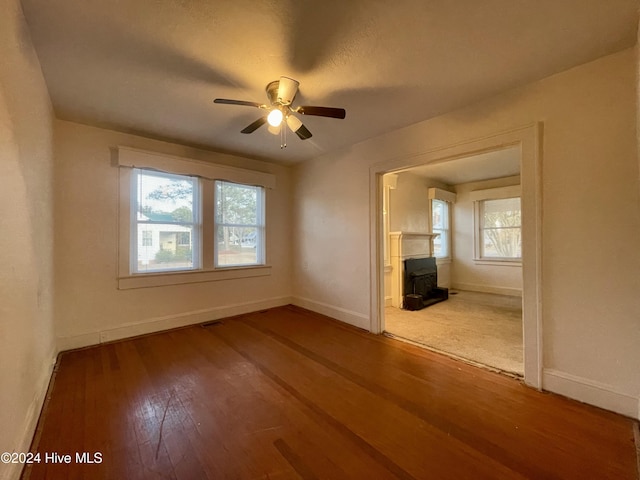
<point x="213" y="212"/>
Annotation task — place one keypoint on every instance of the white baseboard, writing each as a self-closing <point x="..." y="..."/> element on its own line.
<point x="591" y="392"/>
<point x="11" y="471"/>
<point x="168" y="322"/>
<point x="347" y="316"/>
<point x="388" y="301"/>
<point x="473" y="287"/>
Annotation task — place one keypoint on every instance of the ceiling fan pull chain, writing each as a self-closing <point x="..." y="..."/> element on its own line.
<point x="283" y="138"/>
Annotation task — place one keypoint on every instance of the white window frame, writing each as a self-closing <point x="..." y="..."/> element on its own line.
<point x="478" y="197"/>
<point x="195" y="225"/>
<point x="130" y="158"/>
<point x="259" y="226"/>
<point x="448" y="198"/>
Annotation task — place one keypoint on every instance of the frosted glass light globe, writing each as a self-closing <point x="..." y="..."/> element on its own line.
<point x="274" y="118"/>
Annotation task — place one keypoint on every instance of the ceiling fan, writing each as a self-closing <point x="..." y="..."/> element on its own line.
<point x="281" y="94"/>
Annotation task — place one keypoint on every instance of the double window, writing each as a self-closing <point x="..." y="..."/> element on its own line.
<point x="186" y="221"/>
<point x="167" y="223"/>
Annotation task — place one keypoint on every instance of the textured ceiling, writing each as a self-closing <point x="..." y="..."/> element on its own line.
<point x="484" y="166"/>
<point x="153" y="67"/>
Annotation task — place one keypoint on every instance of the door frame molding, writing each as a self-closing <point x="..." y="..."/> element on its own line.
<point x="529" y="139"/>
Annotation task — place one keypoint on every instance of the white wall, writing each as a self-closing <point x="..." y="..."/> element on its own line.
<point x="465" y="273"/>
<point x="409" y="209"/>
<point x="590" y="227"/>
<point x="409" y="203"/>
<point x="26" y="243"/>
<point x="89" y="306"/>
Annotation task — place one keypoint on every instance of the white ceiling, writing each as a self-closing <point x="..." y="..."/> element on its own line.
<point x="483" y="166"/>
<point x="153" y="67"/>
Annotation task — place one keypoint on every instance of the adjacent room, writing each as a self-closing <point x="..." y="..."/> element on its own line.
<point x="466" y="214"/>
<point x="319" y="239"/>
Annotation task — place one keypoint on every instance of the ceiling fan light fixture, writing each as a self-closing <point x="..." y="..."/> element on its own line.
<point x="287" y="89"/>
<point x="293" y="123"/>
<point x="275" y="117"/>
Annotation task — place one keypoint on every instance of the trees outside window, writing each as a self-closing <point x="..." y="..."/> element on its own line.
<point x="165" y="222"/>
<point x="239" y="224"/>
<point x="500" y="229"/>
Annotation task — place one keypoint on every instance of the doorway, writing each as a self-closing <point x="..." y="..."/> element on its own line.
<point x="481" y="321"/>
<point x="526" y="139"/>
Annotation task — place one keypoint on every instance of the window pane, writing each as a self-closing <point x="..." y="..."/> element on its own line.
<point x="165" y="198"/>
<point x="438" y="244"/>
<point x="440" y="224"/>
<point x="502" y="243"/>
<point x="165" y="222"/>
<point x="501" y="213"/>
<point x="501" y="222"/>
<point x="237" y="204"/>
<point x="438" y="209"/>
<point x="164" y="247"/>
<point x="239" y="220"/>
<point x="237" y="246"/>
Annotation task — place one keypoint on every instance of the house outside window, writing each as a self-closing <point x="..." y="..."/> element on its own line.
<point x="165" y="220"/>
<point x="239" y="224"/>
<point x="147" y="238"/>
<point x="168" y="234"/>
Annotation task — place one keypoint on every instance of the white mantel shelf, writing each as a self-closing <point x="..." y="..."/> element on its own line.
<point x="403" y="245"/>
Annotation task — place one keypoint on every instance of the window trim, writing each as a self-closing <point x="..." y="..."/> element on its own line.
<point x="259" y="226"/>
<point x="446" y="229"/>
<point x="478" y="196"/>
<point x="195" y="225"/>
<point x="130" y="158"/>
<point x="449" y="198"/>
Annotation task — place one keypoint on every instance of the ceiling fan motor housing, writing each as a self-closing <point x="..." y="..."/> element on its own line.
<point x="283" y="91"/>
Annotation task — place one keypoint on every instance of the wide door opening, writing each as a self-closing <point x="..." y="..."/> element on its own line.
<point x="453" y="265"/>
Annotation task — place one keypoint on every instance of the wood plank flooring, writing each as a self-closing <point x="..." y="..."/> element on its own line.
<point x="289" y="394"/>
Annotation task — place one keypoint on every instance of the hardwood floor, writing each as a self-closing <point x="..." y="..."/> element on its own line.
<point x="289" y="394"/>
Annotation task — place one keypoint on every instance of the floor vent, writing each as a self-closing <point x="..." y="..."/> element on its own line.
<point x="212" y="323"/>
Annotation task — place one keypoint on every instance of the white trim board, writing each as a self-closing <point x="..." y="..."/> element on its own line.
<point x="591" y="392"/>
<point x="472" y="287"/>
<point x="135" y="158"/>
<point x="158" y="324"/>
<point x="347" y="316"/>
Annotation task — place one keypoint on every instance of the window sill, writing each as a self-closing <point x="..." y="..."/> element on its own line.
<point x="498" y="262"/>
<point x="443" y="260"/>
<point x="146" y="280"/>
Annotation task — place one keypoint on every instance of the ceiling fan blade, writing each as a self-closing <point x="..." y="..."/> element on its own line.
<point x="287" y="89"/>
<point x="322" y="111"/>
<point x="226" y="101"/>
<point x="303" y="133"/>
<point x="254" y="126"/>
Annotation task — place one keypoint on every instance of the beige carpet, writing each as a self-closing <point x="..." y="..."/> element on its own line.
<point x="480" y="327"/>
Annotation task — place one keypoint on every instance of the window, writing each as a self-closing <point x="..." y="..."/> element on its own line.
<point x="239" y="224"/>
<point x="441" y="201"/>
<point x="147" y="238"/>
<point x="166" y="209"/>
<point x="440" y="225"/>
<point x="179" y="223"/>
<point x="499" y="235"/>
